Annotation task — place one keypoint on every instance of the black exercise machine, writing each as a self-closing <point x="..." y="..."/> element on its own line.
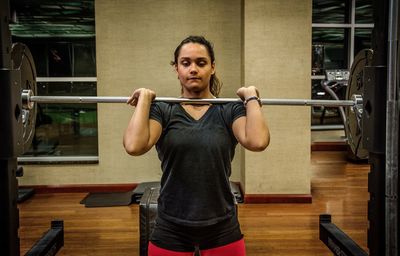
<point x="11" y="131"/>
<point x="380" y="127"/>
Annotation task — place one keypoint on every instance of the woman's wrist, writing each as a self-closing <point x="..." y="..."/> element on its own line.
<point x="252" y="98"/>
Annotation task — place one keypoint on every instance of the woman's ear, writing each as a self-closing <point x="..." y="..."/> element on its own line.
<point x="176" y="71"/>
<point x="213" y="68"/>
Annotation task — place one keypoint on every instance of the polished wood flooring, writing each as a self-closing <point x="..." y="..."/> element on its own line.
<point x="339" y="188"/>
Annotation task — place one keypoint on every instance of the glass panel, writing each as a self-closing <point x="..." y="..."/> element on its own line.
<point x="331" y="45"/>
<point x="52" y="19"/>
<point x="39" y="56"/>
<point x="84" y="59"/>
<point x="65" y="129"/>
<point x="331" y="11"/>
<point x="318" y="57"/>
<point x="59" y="56"/>
<point x="362" y="39"/>
<point x="364" y="12"/>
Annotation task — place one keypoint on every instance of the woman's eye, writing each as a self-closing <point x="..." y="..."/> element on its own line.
<point x="202" y="63"/>
<point x="185" y="63"/>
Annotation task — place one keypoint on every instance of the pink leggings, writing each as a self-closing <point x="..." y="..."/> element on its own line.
<point x="233" y="249"/>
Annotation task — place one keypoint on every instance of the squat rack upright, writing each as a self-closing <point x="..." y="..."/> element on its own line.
<point x="11" y="148"/>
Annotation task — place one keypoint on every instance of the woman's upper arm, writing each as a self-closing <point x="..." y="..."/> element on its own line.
<point x="238" y="128"/>
<point x="254" y="139"/>
<point x="155" y="133"/>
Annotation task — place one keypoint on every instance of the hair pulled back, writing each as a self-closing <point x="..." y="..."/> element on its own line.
<point x="215" y="84"/>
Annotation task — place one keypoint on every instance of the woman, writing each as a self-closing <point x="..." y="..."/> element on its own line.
<point x="196" y="144"/>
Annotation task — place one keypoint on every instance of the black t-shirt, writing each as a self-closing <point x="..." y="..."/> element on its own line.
<point x="196" y="160"/>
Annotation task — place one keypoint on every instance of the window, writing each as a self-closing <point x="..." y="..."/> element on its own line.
<point x="362" y="39"/>
<point x="340" y="29"/>
<point x="363" y="12"/>
<point x="332" y="43"/>
<point x="330" y="11"/>
<point x="61" y="38"/>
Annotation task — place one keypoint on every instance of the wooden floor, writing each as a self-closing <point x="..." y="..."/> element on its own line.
<point x="338" y="188"/>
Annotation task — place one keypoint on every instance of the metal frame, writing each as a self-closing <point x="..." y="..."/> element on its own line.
<point x="392" y="134"/>
<point x="66" y="79"/>
<point x="9" y="215"/>
<point x="57" y="159"/>
<point x="51" y="242"/>
<point x="324" y="127"/>
<point x="336" y="240"/>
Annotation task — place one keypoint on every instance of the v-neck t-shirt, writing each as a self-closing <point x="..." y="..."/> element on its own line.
<point x="196" y="158"/>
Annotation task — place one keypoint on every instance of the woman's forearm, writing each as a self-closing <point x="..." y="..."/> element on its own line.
<point x="256" y="129"/>
<point x="137" y="135"/>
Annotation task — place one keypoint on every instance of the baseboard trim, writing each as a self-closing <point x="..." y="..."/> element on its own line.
<point x="81" y="188"/>
<point x="278" y="198"/>
<point x="329" y="146"/>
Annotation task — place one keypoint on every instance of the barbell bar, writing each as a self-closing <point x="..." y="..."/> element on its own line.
<point x="28" y="100"/>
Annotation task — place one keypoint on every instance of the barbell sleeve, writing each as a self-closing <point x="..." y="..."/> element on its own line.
<point x="28" y="99"/>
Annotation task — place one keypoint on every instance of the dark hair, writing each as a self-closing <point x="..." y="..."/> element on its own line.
<point x="215" y="84"/>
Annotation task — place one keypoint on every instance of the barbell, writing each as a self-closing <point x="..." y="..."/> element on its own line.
<point x="28" y="100"/>
<point x="23" y="61"/>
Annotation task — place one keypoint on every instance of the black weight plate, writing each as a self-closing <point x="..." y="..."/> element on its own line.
<point x="355" y="86"/>
<point x="22" y="60"/>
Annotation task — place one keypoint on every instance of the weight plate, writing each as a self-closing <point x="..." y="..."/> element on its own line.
<point x="356" y="86"/>
<point x="22" y="60"/>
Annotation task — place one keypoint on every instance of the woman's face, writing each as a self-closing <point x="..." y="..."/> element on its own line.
<point x="194" y="68"/>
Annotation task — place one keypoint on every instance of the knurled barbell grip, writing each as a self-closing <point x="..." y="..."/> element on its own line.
<point x="28" y="99"/>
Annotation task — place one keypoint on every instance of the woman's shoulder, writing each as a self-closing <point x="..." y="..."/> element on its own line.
<point x="164" y="108"/>
<point x="232" y="110"/>
<point x="232" y="106"/>
<point x="162" y="105"/>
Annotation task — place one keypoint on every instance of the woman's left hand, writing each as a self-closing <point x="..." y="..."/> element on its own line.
<point x="247" y="92"/>
<point x="251" y="130"/>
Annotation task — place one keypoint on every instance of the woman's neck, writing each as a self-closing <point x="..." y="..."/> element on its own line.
<point x="197" y="95"/>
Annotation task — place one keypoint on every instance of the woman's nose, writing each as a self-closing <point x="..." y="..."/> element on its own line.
<point x="193" y="68"/>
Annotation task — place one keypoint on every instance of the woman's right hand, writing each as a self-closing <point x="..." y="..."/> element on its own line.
<point x="142" y="131"/>
<point x="141" y="93"/>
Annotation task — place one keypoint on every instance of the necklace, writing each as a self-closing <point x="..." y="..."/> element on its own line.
<point x="197" y="104"/>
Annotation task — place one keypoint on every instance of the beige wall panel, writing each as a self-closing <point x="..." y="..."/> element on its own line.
<point x="277" y="50"/>
<point x="135" y="41"/>
<point x="134" y="47"/>
<point x="58" y="174"/>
